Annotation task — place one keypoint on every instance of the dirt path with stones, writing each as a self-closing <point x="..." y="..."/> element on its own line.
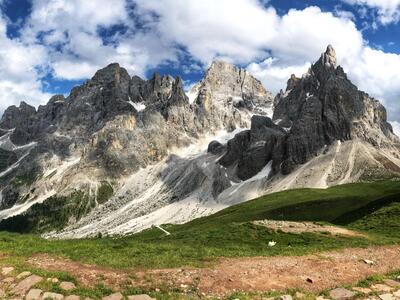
<point x="311" y="272"/>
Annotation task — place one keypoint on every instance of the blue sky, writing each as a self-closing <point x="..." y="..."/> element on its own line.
<point x="49" y="46"/>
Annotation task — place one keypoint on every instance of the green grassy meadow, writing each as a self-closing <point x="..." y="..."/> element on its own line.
<point x="372" y="208"/>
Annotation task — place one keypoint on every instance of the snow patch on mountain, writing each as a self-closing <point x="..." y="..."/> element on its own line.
<point x="139" y="106"/>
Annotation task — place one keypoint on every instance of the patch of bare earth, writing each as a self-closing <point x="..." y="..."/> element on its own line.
<point x="311" y="272"/>
<point x="301" y="227"/>
<point x="88" y="275"/>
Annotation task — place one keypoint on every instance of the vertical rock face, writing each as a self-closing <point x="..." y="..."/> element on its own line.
<point x="252" y="149"/>
<point x="324" y="106"/>
<point x="20" y="118"/>
<point x="113" y="126"/>
<point x="314" y="112"/>
<point x="157" y="88"/>
<point x="98" y="100"/>
<point x="225" y="84"/>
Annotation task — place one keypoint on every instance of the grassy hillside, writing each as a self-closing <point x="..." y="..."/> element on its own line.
<point x="373" y="208"/>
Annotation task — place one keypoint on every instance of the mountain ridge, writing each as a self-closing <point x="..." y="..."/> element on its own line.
<point x="147" y="141"/>
<point x="98" y="135"/>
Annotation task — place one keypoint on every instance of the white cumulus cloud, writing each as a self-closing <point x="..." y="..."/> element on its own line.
<point x="388" y="10"/>
<point x="66" y="38"/>
<point x="237" y="30"/>
<point x="20" y="70"/>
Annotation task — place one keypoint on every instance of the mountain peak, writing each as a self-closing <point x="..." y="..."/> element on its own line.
<point x="330" y="50"/>
<point x="113" y="72"/>
<point x="220" y="68"/>
<point x="230" y="85"/>
<point x="220" y="64"/>
<point x="329" y="57"/>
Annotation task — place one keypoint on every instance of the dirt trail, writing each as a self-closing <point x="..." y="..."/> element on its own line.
<point x="326" y="270"/>
<point x="301" y="227"/>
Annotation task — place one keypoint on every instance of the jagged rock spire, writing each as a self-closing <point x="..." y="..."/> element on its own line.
<point x="329" y="57"/>
<point x="324" y="107"/>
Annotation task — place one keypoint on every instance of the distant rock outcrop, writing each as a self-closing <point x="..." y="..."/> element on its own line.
<point x="315" y="111"/>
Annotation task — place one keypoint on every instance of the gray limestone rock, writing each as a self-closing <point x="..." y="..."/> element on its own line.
<point x="315" y="111"/>
<point x="116" y="125"/>
<point x="215" y="147"/>
<point x="251" y="150"/>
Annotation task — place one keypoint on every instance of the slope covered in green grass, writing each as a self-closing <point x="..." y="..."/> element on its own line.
<point x="372" y="208"/>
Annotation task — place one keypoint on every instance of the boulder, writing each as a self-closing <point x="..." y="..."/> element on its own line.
<point x="52" y="296"/>
<point x="362" y="290"/>
<point x="115" y="296"/>
<point x="387" y="297"/>
<point x="23" y="274"/>
<point x="252" y="149"/>
<point x="7" y="270"/>
<point x="34" y="294"/>
<point x="392" y="283"/>
<point x="215" y="148"/>
<point x="25" y="285"/>
<point x="140" y="297"/>
<point x="67" y="286"/>
<point x="341" y="294"/>
<point x="381" y="288"/>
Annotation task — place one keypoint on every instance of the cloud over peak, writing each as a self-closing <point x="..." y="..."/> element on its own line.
<point x="71" y="39"/>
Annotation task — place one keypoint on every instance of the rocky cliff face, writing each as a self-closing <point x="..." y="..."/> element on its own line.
<point x="323" y="107"/>
<point x="228" y="85"/>
<point x="315" y="112"/>
<point x="106" y="131"/>
<point x="121" y="153"/>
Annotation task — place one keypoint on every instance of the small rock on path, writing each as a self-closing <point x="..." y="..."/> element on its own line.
<point x="392" y="283"/>
<point x="140" y="297"/>
<point x="53" y="280"/>
<point x="24" y="274"/>
<point x="387" y="297"/>
<point x="52" y="296"/>
<point x="67" y="286"/>
<point x="25" y="285"/>
<point x="381" y="288"/>
<point x="7" y="270"/>
<point x="116" y="296"/>
<point x="362" y="290"/>
<point x="34" y="294"/>
<point x="341" y="294"/>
